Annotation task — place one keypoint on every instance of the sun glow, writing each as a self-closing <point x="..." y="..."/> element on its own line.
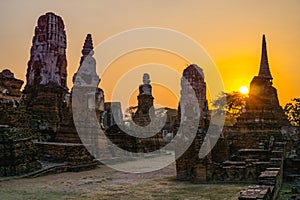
<point x="244" y="90"/>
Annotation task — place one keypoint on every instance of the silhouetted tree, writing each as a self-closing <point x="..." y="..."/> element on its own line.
<point x="231" y="104"/>
<point x="292" y="110"/>
<point x="130" y="111"/>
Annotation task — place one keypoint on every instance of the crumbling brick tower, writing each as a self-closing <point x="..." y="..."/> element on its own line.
<point x="46" y="78"/>
<point x="186" y="163"/>
<point x="142" y="118"/>
<point x="145" y="102"/>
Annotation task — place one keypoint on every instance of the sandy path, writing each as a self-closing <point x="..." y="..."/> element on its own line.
<point x="106" y="183"/>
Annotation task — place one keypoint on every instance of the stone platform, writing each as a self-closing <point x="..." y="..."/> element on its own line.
<point x="71" y="154"/>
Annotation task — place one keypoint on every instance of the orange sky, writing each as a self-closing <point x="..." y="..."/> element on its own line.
<point x="230" y="31"/>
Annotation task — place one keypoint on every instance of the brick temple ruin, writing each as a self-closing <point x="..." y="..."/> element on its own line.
<point x="46" y="78"/>
<point x="253" y="150"/>
<point x="195" y="79"/>
<point x="38" y="133"/>
<point x="39" y="120"/>
<point x="42" y="126"/>
<point x="118" y="133"/>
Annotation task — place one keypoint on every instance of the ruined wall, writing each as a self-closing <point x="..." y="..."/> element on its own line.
<point x="133" y="144"/>
<point x="72" y="154"/>
<point x="18" y="154"/>
<point x="10" y="87"/>
<point x="269" y="183"/>
<point x="221" y="151"/>
<point x="118" y="135"/>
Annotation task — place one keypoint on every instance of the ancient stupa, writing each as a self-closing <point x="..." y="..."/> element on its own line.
<point x="262" y="117"/>
<point x="46" y="78"/>
<point x="145" y="102"/>
<point x="86" y="76"/>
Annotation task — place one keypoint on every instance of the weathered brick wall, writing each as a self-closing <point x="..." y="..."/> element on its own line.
<point x="220" y="152"/>
<point x="134" y="144"/>
<point x="46" y="102"/>
<point x="269" y="185"/>
<point x="73" y="154"/>
<point x="12" y="86"/>
<point x="250" y="140"/>
<point x="18" y="155"/>
<point x="186" y="164"/>
<point x="20" y="118"/>
<point x="253" y="192"/>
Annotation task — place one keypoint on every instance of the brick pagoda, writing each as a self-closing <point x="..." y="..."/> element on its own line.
<point x="46" y="78"/>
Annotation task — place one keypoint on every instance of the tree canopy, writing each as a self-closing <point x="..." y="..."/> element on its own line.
<point x="231" y="104"/>
<point x="292" y="110"/>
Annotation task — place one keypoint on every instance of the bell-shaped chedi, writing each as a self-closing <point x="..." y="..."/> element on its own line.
<point x="263" y="96"/>
<point x="70" y="145"/>
<point x="46" y="78"/>
<point x="87" y="102"/>
<point x="262" y="117"/>
<point x="86" y="82"/>
<point x="86" y="74"/>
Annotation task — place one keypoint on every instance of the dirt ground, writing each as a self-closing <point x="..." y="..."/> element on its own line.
<point x="106" y="183"/>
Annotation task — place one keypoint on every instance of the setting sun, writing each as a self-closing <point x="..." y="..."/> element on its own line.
<point x="244" y="90"/>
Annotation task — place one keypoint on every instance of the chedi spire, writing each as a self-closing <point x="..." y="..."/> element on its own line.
<point x="264" y="70"/>
<point x="86" y="74"/>
<point x="88" y="45"/>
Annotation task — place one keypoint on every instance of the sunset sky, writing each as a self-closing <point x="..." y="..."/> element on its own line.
<point x="230" y="32"/>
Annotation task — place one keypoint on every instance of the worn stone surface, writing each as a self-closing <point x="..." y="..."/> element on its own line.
<point x="21" y="119"/>
<point x="269" y="185"/>
<point x="18" y="155"/>
<point x="254" y="192"/>
<point x="70" y="153"/>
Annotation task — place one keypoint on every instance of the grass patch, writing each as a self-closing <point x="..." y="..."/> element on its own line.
<point x="285" y="191"/>
<point x="37" y="195"/>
